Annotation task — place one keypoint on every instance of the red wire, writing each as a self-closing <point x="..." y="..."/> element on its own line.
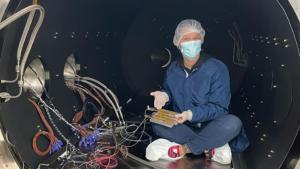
<point x="104" y="160"/>
<point x="49" y="134"/>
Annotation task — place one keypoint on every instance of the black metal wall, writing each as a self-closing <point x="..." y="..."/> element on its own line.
<point x="114" y="40"/>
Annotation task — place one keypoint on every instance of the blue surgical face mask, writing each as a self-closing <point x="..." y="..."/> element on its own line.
<point x="191" y="49"/>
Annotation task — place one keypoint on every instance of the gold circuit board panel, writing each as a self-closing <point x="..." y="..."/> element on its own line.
<point x="164" y="117"/>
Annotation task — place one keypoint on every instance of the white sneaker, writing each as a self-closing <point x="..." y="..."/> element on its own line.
<point x="221" y="155"/>
<point x="163" y="149"/>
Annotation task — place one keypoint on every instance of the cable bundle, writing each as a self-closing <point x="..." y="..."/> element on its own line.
<point x="101" y="158"/>
<point x="91" y="131"/>
<point x="21" y="59"/>
<point x="102" y="92"/>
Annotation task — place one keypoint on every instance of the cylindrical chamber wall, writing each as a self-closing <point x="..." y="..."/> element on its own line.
<point x="115" y="43"/>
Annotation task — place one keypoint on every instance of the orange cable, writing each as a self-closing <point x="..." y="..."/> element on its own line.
<point x="49" y="134"/>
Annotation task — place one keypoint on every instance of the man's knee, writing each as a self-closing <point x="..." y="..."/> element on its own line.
<point x="232" y="124"/>
<point x="156" y="129"/>
<point x="178" y="133"/>
<point x="160" y="130"/>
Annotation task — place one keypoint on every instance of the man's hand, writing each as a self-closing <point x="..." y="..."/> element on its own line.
<point x="184" y="116"/>
<point x="160" y="99"/>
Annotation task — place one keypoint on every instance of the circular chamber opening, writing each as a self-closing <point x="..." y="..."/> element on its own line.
<point x="162" y="57"/>
<point x="35" y="77"/>
<point x="70" y="70"/>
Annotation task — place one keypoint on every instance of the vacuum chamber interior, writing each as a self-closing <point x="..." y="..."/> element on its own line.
<point x="127" y="45"/>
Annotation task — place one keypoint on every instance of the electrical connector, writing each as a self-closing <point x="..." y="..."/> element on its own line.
<point x="90" y="139"/>
<point x="56" y="146"/>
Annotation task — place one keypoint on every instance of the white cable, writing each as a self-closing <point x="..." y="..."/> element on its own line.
<point x="31" y="40"/>
<point x="96" y="84"/>
<point x="113" y="96"/>
<point x="102" y="85"/>
<point x="56" y="128"/>
<point x="116" y="107"/>
<point x="86" y="91"/>
<point x="20" y="68"/>
<point x="110" y="92"/>
<point x="56" y="112"/>
<point x="133" y="133"/>
<point x="7" y="139"/>
<point x="106" y="96"/>
<point x="20" y="47"/>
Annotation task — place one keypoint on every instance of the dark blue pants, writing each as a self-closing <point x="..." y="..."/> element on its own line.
<point x="212" y="134"/>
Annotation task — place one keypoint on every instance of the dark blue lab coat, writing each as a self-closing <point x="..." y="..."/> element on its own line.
<point x="205" y="90"/>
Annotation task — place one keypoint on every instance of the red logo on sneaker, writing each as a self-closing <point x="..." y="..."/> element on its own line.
<point x="174" y="151"/>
